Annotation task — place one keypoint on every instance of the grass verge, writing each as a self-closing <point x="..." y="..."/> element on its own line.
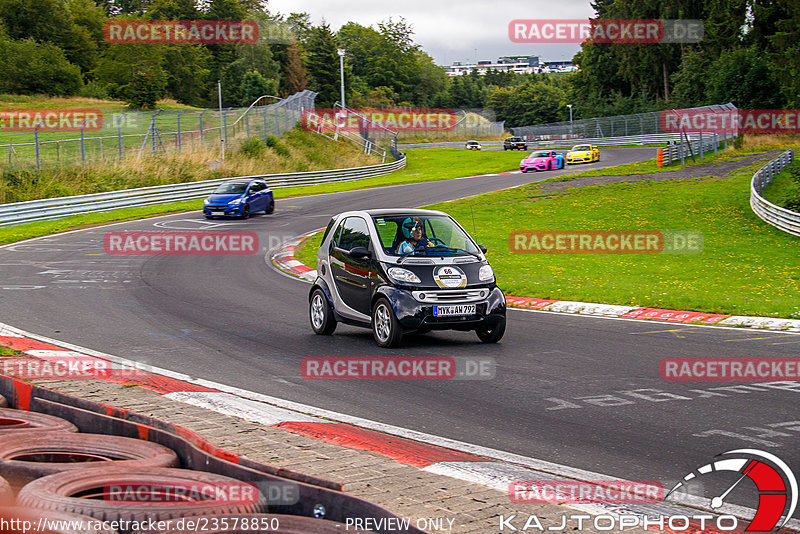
<point x="746" y="267"/>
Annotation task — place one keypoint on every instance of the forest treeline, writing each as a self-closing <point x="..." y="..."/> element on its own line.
<point x="750" y="55"/>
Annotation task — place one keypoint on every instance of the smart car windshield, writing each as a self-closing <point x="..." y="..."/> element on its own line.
<point x="231" y="189"/>
<point x="427" y="235"/>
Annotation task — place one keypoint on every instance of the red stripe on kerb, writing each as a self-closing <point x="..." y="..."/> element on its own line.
<point x="302" y="269"/>
<point x="159" y="384"/>
<point x="23" y="344"/>
<point x="401" y="450"/>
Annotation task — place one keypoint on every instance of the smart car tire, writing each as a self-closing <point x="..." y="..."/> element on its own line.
<point x="321" y="314"/>
<point x="493" y="334"/>
<point x="270" y="207"/>
<point x="385" y="326"/>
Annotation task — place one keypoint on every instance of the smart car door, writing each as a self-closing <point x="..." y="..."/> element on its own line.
<point x="352" y="274"/>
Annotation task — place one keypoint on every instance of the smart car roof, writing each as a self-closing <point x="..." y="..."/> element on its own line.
<point x="388" y="212"/>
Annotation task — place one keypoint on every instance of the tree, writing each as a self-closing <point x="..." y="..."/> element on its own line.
<point x="295" y="71"/>
<point x="188" y="75"/>
<point x="323" y="66"/>
<point x="173" y="10"/>
<point x="255" y="85"/>
<point x="145" y="89"/>
<point x="741" y="76"/>
<point x="29" y="67"/>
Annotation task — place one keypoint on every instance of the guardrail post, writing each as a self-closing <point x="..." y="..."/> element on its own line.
<point x="701" y="145"/>
<point x="179" y="129"/>
<point x="716" y="143"/>
<point x="83" y="144"/>
<point x="119" y="134"/>
<point x="36" y="141"/>
<point x="247" y="121"/>
<point x="201" y="126"/>
<point x="225" y="124"/>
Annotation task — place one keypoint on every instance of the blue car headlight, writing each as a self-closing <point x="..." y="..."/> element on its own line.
<point x="236" y="201"/>
<point x="205" y="202"/>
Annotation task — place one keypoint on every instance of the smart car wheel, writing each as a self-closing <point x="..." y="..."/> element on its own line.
<point x="385" y="327"/>
<point x="493" y="334"/>
<point x="320" y="313"/>
<point x="270" y="207"/>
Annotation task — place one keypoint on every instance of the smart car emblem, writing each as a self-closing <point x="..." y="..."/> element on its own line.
<point x="449" y="277"/>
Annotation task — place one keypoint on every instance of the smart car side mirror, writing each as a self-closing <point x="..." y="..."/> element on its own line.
<point x="482" y="248"/>
<point x="358" y="253"/>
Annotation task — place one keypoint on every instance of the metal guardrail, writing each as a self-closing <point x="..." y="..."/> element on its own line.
<point x="57" y="208"/>
<point x="781" y="218"/>
<point x="698" y="144"/>
<point x="645" y="139"/>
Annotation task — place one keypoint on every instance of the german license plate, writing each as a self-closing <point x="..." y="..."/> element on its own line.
<point x="453" y="310"/>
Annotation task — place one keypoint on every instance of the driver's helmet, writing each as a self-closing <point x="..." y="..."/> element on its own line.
<point x="409" y="225"/>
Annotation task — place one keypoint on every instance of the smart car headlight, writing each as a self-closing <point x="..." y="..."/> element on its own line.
<point x="399" y="274"/>
<point x="486" y="273"/>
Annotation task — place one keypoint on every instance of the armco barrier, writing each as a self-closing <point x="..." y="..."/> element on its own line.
<point x="781" y="218"/>
<point x="56" y="208"/>
<point x="317" y="497"/>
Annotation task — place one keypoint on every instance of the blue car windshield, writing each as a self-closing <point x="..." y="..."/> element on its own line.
<point x="231" y="189"/>
<point x="426" y="235"/>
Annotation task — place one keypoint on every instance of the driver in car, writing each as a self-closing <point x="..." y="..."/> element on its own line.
<point x="414" y="234"/>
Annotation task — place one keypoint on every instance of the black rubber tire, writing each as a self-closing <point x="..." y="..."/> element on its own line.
<point x="270" y="207"/>
<point x="383" y="317"/>
<point x="23" y="421"/>
<point x="492" y="335"/>
<point x="24" y="458"/>
<point x="286" y="524"/>
<point x="71" y="491"/>
<point x="246" y="211"/>
<point x="81" y="524"/>
<point x="318" y="302"/>
<point x="3" y="402"/>
<point x="524" y="171"/>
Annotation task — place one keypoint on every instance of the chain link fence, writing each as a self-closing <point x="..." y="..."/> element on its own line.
<point x="601" y="127"/>
<point x="157" y="132"/>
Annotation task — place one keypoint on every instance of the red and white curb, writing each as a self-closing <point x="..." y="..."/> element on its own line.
<point x="283" y="258"/>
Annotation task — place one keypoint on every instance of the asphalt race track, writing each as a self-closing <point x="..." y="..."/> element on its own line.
<point x="574" y="390"/>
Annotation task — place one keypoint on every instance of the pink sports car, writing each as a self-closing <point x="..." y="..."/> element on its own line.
<point x="542" y="160"/>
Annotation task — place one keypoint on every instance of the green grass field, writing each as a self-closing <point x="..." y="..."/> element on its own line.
<point x="746" y="267"/>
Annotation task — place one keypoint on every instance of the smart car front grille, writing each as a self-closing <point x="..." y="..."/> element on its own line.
<point x="451" y="297"/>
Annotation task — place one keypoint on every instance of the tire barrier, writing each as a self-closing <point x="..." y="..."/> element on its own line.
<point x="299" y="495"/>
<point x="132" y="495"/>
<point x="253" y="524"/>
<point x="24" y="458"/>
<point x="12" y="420"/>
<point x="6" y="494"/>
<point x="55" y="522"/>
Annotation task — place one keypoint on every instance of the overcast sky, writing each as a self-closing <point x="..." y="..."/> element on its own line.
<point x="461" y="30"/>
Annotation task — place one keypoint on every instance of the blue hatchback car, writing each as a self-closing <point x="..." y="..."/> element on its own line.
<point x="239" y="198"/>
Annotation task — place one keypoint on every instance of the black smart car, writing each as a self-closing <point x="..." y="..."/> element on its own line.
<point x="399" y="271"/>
